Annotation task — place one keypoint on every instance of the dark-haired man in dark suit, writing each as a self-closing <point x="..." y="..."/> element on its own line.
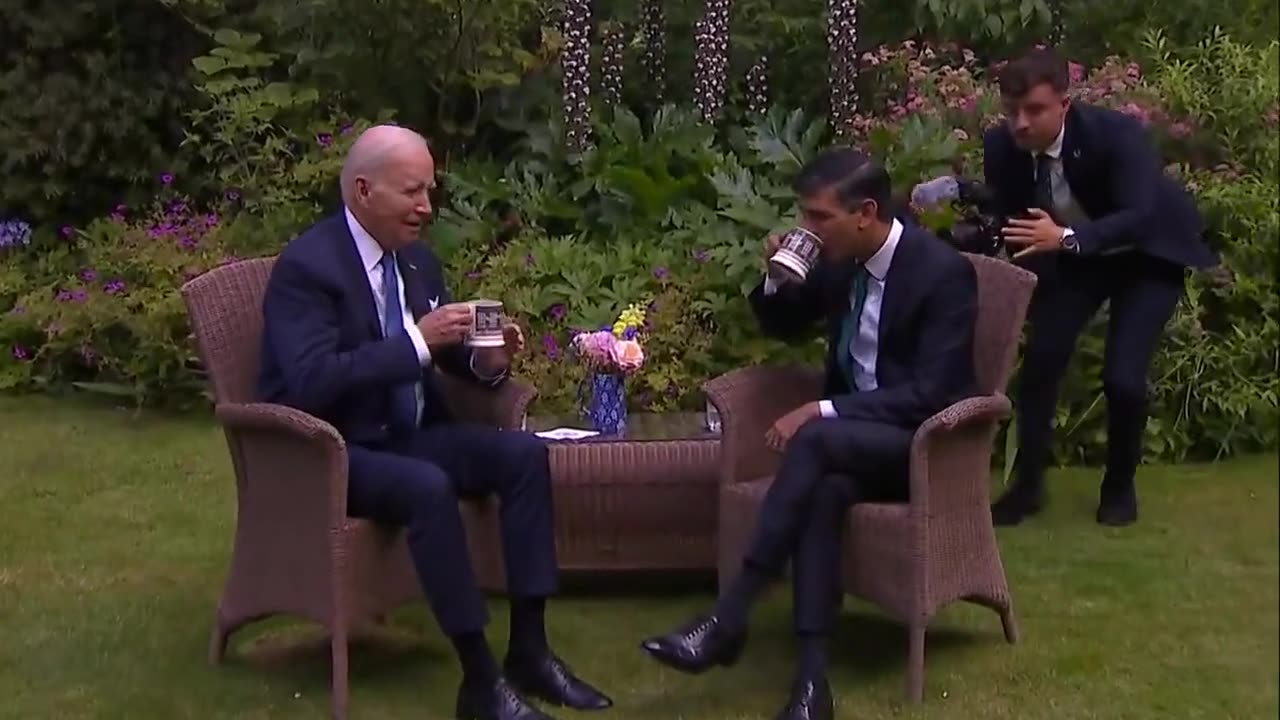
<point x="356" y="318"/>
<point x="1106" y="224"/>
<point x="899" y="308"/>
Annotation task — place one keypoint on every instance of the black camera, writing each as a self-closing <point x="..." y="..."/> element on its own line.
<point x="978" y="229"/>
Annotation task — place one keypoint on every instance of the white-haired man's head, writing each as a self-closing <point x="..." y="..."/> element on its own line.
<point x="386" y="179"/>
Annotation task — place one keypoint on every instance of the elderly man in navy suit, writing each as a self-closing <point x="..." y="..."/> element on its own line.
<point x="1104" y="223"/>
<point x="357" y="317"/>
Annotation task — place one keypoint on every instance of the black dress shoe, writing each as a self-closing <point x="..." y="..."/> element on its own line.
<point x="496" y="700"/>
<point x="548" y="678"/>
<point x="697" y="646"/>
<point x="1117" y="508"/>
<point x="1017" y="504"/>
<point x="810" y="700"/>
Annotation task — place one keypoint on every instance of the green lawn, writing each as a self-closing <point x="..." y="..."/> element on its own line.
<point x="116" y="531"/>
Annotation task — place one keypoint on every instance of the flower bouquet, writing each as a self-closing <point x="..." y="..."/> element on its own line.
<point x="610" y="354"/>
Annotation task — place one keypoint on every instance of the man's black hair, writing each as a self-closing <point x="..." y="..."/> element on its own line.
<point x="853" y="176"/>
<point x="1041" y="66"/>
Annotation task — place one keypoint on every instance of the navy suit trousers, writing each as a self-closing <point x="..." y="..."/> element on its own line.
<point x="418" y="483"/>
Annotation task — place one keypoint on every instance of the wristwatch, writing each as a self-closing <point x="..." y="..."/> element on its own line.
<point x="1068" y="241"/>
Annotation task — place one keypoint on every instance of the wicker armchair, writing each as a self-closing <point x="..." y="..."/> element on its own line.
<point x="909" y="559"/>
<point x="295" y="550"/>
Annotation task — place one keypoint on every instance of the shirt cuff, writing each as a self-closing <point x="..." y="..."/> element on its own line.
<point x="419" y="344"/>
<point x="827" y="409"/>
<point x="770" y="286"/>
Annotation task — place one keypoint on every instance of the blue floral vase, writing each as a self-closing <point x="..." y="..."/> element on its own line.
<point x="606" y="406"/>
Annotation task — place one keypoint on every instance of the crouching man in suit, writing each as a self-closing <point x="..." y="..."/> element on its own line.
<point x="1106" y="225"/>
<point x="357" y="316"/>
<point x="899" y="307"/>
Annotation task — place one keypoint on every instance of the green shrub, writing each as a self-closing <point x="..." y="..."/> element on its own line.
<point x="91" y="99"/>
<point x="670" y="214"/>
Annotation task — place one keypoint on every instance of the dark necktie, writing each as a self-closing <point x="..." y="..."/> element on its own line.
<point x="1044" y="183"/>
<point x="849" y="330"/>
<point x="404" y="401"/>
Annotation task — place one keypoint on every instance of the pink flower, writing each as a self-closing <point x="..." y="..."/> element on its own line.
<point x="628" y="355"/>
<point x="1143" y="114"/>
<point x="1180" y="129"/>
<point x="1077" y="72"/>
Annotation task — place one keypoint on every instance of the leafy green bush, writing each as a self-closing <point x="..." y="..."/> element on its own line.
<point x="664" y="212"/>
<point x="91" y="98"/>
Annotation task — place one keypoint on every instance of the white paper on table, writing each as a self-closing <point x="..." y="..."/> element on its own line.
<point x="564" y="433"/>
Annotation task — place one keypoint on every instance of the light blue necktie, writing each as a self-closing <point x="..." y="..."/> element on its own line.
<point x="404" y="401"/>
<point x="844" y="353"/>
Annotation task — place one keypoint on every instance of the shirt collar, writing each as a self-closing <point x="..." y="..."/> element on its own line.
<point x="878" y="265"/>
<point x="1055" y="150"/>
<point x="370" y="251"/>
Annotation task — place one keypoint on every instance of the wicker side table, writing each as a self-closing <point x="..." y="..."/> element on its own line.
<point x="646" y="500"/>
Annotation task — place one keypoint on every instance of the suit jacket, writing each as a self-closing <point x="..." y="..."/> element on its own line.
<point x="323" y="350"/>
<point x="924" y="357"/>
<point x="1117" y="178"/>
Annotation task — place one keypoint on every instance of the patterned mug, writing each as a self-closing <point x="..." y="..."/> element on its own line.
<point x="797" y="255"/>
<point x="487" y="324"/>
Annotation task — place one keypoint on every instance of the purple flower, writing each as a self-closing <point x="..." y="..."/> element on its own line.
<point x="21" y="353"/>
<point x="700" y="255"/>
<point x="661" y="273"/>
<point x="79" y="295"/>
<point x="117" y="217"/>
<point x="159" y="231"/>
<point x="550" y="344"/>
<point x="557" y="312"/>
<point x="68" y="231"/>
<point x="166" y="178"/>
<point x="528" y="259"/>
<point x="629" y="334"/>
<point x="210" y="220"/>
<point x="88" y="355"/>
<point x="474" y="274"/>
<point x="18" y="310"/>
<point x="233" y="195"/>
<point x="346" y="129"/>
<point x="178" y="207"/>
<point x="88" y="274"/>
<point x="121" y="208"/>
<point x="186" y="242"/>
<point x="325" y="139"/>
<point x="115" y="287"/>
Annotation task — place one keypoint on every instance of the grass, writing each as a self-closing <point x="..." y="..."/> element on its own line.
<point x="117" y="529"/>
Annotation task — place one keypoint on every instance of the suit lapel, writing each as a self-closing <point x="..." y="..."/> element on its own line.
<point x="415" y="287"/>
<point x="896" y="283"/>
<point x="357" y="279"/>
<point x="1074" y="145"/>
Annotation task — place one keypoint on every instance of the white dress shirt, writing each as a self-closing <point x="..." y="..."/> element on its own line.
<point x="865" y="342"/>
<point x="371" y="255"/>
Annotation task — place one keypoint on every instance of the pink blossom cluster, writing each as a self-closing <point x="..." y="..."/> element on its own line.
<point x="603" y="351"/>
<point x="945" y="84"/>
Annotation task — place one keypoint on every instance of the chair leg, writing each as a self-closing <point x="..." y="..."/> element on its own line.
<point x="1010" y="623"/>
<point x="915" y="664"/>
<point x="218" y="638"/>
<point x="341" y="689"/>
